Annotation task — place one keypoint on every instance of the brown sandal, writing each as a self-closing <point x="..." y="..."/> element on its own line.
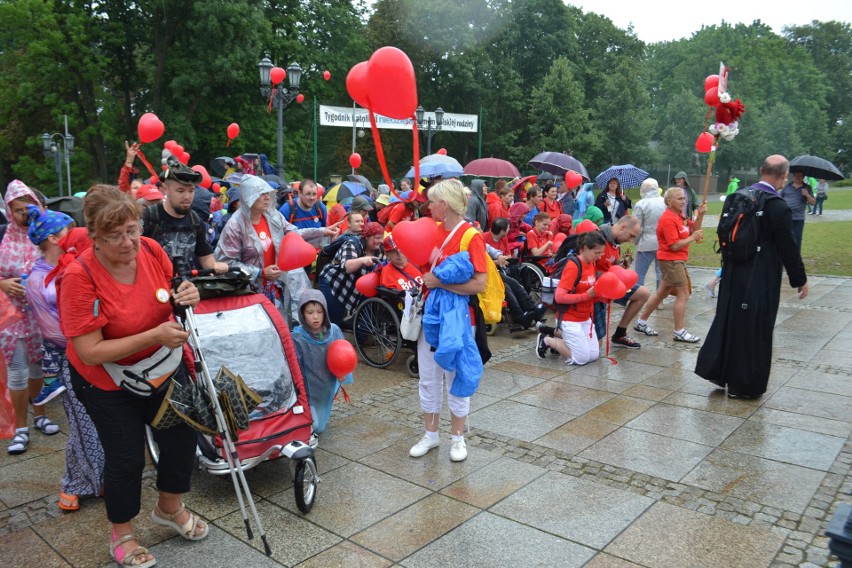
<point x="187" y="529"/>
<point x="131" y="558"/>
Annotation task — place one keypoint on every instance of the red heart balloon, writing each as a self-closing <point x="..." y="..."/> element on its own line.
<point x="276" y="75"/>
<point x="150" y="127"/>
<point x="367" y="284"/>
<point x="355" y="160"/>
<point x="704" y="142"/>
<point x="711" y="96"/>
<point x="710" y="82"/>
<point x="341" y="358"/>
<point x="416" y="239"/>
<point x="609" y="287"/>
<point x="558" y="240"/>
<point x="233" y="130"/>
<point x="585" y="226"/>
<point x="356" y="84"/>
<point x="572" y="179"/>
<point x="628" y="277"/>
<point x="391" y="85"/>
<point x="295" y="252"/>
<point x="206" y="182"/>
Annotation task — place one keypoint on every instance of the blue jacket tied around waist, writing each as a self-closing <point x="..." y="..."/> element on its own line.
<point x="447" y="326"/>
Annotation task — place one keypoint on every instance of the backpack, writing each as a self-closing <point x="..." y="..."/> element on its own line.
<point x="491" y="299"/>
<point x="329" y="251"/>
<point x="739" y="224"/>
<point x="151" y="222"/>
<point x="292" y="220"/>
<point x="568" y="247"/>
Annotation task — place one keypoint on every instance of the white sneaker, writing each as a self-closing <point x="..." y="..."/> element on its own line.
<point x="458" y="451"/>
<point x="424" y="445"/>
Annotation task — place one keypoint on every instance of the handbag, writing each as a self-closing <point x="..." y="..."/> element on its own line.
<point x="412" y="315"/>
<point x="149" y="375"/>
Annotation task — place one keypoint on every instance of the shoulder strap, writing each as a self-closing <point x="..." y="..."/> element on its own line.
<point x="151" y="218"/>
<point x="194" y="220"/>
<point x="467" y="237"/>
<point x="292" y="208"/>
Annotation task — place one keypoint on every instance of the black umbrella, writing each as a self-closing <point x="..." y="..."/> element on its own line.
<point x="558" y="164"/>
<point x="221" y="164"/>
<point x="816" y="167"/>
<point x="272" y="178"/>
<point x="546" y="176"/>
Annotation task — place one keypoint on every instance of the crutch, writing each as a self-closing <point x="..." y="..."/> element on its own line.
<point x="238" y="477"/>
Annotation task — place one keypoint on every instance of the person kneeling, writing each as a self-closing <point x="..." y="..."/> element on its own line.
<point x="575" y="297"/>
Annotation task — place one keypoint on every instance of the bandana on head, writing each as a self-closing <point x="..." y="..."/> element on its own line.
<point x="372" y="229"/>
<point x="44" y="224"/>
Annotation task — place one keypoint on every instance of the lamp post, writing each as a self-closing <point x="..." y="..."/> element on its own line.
<point x="52" y="149"/>
<point x="426" y="122"/>
<point x="281" y="96"/>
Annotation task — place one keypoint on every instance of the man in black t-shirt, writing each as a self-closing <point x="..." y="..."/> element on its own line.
<point x="176" y="226"/>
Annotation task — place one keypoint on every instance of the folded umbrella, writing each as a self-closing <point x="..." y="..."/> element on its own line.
<point x="816" y="167"/>
<point x="491" y="167"/>
<point x="558" y="164"/>
<point x="438" y="165"/>
<point x="627" y="175"/>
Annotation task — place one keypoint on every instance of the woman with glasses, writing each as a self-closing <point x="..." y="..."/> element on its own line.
<point x="116" y="309"/>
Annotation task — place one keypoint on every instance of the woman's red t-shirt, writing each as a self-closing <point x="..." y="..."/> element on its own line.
<point x="554" y="208"/>
<point x="118" y="310"/>
<point x="671" y="229"/>
<point x="583" y="310"/>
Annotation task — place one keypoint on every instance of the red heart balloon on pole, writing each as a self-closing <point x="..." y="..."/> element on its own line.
<point x="295" y="252"/>
<point x="391" y="85"/>
<point x="609" y="287"/>
<point x="150" y="127"/>
<point x="341" y="358"/>
<point x="416" y="239"/>
<point x="355" y="160"/>
<point x="276" y="75"/>
<point x="367" y="284"/>
<point x="704" y="142"/>
<point x="357" y="86"/>
<point x="206" y="182"/>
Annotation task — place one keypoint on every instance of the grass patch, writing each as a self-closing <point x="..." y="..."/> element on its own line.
<point x="837" y="199"/>
<point x="820" y="251"/>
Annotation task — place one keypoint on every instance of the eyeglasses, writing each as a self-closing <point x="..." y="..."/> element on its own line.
<point x="191" y="176"/>
<point x="116" y="238"/>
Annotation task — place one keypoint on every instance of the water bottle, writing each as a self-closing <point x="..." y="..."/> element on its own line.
<point x="24" y="277"/>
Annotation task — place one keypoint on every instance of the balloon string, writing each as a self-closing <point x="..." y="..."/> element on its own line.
<point x="608" y="311"/>
<point x="271" y="96"/>
<point x="145" y="161"/>
<point x="380" y="153"/>
<point x="707" y="119"/>
<point x="228" y="145"/>
<point x="416" y="145"/>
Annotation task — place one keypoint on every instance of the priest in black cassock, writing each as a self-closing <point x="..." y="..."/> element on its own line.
<point x="737" y="351"/>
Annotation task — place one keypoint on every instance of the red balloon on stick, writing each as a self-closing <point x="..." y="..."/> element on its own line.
<point x="295" y="252"/>
<point x="326" y="74"/>
<point x="150" y="127"/>
<point x="704" y="142"/>
<point x="416" y="239"/>
<point x="442" y="151"/>
<point x="357" y="85"/>
<point x="573" y="179"/>
<point x="391" y="85"/>
<point x="585" y="226"/>
<point x="609" y="287"/>
<point x="367" y="284"/>
<point x="300" y="98"/>
<point x="711" y="96"/>
<point x="710" y="82"/>
<point x="341" y="358"/>
<point x="276" y="75"/>
<point x="206" y="182"/>
<point x="355" y="160"/>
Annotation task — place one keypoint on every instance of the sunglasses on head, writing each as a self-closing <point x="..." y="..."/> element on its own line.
<point x="182" y="176"/>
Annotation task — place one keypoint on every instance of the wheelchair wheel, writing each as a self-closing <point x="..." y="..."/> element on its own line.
<point x="412" y="367"/>
<point x="530" y="277"/>
<point x="376" y="328"/>
<point x="490" y="329"/>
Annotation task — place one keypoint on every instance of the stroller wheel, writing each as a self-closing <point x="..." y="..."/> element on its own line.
<point x="305" y="484"/>
<point x="413" y="368"/>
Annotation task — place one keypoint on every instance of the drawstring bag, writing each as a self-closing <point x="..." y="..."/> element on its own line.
<point x="412" y="315"/>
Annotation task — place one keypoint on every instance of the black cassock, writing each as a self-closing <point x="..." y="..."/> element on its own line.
<point x="737" y="351"/>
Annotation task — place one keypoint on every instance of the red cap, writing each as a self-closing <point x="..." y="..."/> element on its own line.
<point x="149" y="192"/>
<point x="389" y="245"/>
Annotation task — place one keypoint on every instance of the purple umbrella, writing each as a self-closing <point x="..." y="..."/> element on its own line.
<point x="558" y="164"/>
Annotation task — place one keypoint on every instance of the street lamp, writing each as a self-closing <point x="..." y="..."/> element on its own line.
<point x="52" y="149"/>
<point x="281" y="96"/>
<point x="419" y="114"/>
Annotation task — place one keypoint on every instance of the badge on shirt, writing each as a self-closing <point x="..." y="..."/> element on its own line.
<point x="162" y="295"/>
<point x="262" y="235"/>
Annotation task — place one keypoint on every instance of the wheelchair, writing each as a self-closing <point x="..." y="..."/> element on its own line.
<point x="375" y="325"/>
<point x="530" y="276"/>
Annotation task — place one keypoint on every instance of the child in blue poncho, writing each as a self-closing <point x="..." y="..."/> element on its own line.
<point x="312" y="339"/>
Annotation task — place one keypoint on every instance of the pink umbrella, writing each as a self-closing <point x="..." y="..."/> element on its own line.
<point x="491" y="167"/>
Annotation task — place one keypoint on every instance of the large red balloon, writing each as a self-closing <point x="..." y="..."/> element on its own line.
<point x="585" y="226"/>
<point x="355" y="160"/>
<point x="233" y="130"/>
<point x="391" y="85"/>
<point x="711" y="96"/>
<point x="206" y="182"/>
<point x="572" y="179"/>
<point x="442" y="151"/>
<point x="416" y="239"/>
<point x="628" y="277"/>
<point x="150" y="127"/>
<point x="326" y="74"/>
<point x="357" y="85"/>
<point x="295" y="252"/>
<point x="276" y="75"/>
<point x="367" y="284"/>
<point x="341" y="358"/>
<point x="609" y="287"/>
<point x="704" y="142"/>
<point x="710" y="82"/>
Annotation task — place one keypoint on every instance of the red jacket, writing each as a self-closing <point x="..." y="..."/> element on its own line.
<point x="495" y="208"/>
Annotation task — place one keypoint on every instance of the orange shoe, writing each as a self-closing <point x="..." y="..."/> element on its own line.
<point x="68" y="502"/>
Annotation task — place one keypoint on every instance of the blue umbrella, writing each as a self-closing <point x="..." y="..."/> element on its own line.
<point x="435" y="165"/>
<point x="627" y="175"/>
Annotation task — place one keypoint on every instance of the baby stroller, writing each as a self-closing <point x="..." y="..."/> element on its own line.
<point x="247" y="335"/>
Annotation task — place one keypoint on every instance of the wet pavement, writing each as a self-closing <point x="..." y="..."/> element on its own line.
<point x="631" y="462"/>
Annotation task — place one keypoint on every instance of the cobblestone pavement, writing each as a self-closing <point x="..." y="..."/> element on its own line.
<point x="633" y="461"/>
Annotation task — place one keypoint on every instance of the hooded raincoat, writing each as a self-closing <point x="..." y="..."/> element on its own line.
<point x="476" y="208"/>
<point x="648" y="210"/>
<point x="311" y="350"/>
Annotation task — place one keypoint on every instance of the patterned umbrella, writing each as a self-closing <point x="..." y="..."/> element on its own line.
<point x="435" y="165"/>
<point x="558" y="164"/>
<point x="627" y="175"/>
<point x="491" y="167"/>
<point x="343" y="191"/>
<point x="816" y="167"/>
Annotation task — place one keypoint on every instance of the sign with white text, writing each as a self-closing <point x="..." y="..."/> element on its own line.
<point x="343" y="116"/>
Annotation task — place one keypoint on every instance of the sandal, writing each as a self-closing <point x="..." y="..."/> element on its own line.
<point x="132" y="558"/>
<point x="19" y="442"/>
<point x="187" y="529"/>
<point x="46" y="426"/>
<point x="68" y="502"/>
